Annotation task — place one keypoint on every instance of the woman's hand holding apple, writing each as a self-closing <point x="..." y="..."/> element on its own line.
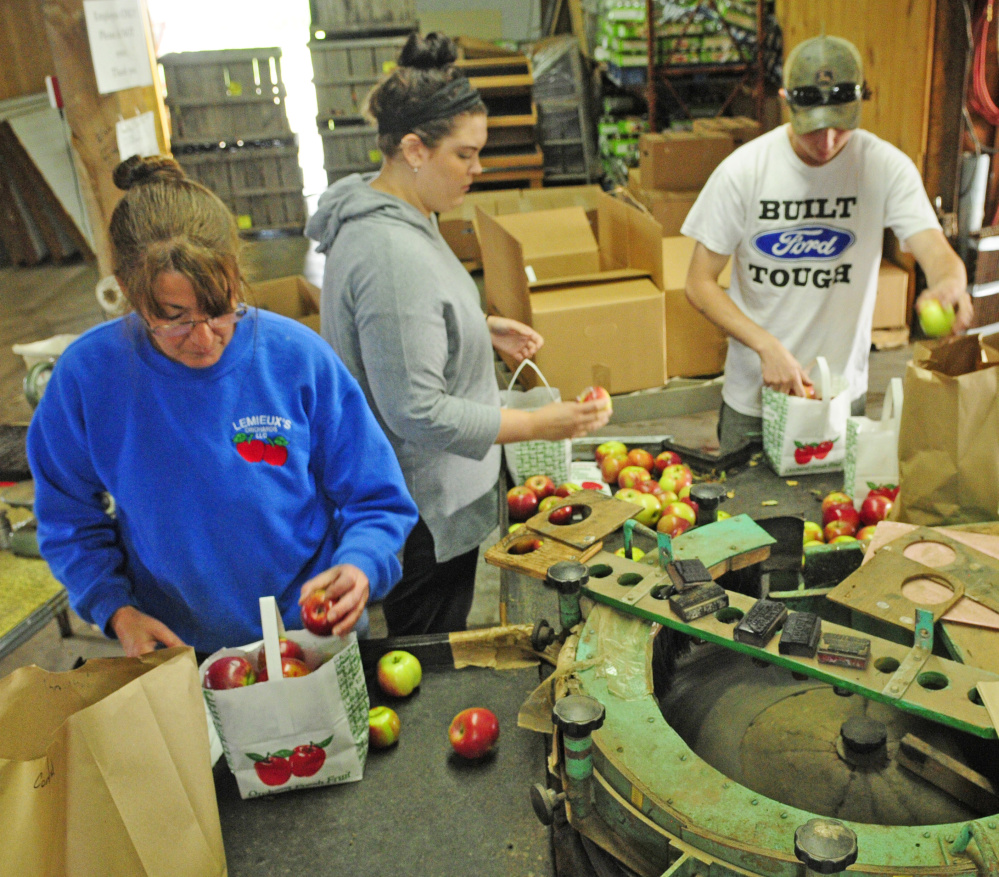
<point x="346" y="589"/>
<point x="139" y="633"/>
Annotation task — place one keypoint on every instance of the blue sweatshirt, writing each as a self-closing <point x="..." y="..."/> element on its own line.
<point x="231" y="482"/>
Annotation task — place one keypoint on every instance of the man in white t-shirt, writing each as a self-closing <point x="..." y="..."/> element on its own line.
<point x="802" y="211"/>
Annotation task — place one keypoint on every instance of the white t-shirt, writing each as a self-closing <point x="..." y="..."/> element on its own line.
<point x="806" y="245"/>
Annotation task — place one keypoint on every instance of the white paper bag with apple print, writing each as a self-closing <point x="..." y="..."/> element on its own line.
<point x="538" y="457"/>
<point x="807" y="436"/>
<point x="872" y="448"/>
<point x="294" y="733"/>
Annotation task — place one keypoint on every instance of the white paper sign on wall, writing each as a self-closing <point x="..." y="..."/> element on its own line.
<point x="117" y="44"/>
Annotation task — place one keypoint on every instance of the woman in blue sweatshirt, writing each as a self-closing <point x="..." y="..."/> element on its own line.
<point x="241" y="455"/>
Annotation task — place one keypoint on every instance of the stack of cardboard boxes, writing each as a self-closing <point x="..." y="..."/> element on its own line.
<point x="609" y="302"/>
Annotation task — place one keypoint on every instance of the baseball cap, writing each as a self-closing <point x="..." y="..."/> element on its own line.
<point x="823" y="81"/>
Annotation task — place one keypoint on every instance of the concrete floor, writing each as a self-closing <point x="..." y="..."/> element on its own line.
<point x="40" y="302"/>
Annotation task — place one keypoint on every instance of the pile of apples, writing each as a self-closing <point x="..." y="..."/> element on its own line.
<point x="841" y="522"/>
<point x="538" y="494"/>
<point x="660" y="485"/>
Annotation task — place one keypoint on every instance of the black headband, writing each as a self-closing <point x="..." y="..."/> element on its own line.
<point x="455" y="98"/>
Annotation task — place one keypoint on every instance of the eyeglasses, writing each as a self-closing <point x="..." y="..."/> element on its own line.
<point x="181" y="330"/>
<point x="808" y="96"/>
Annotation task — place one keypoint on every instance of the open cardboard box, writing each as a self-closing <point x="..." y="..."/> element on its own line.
<point x="597" y="300"/>
<point x="291" y="297"/>
<point x="458" y="226"/>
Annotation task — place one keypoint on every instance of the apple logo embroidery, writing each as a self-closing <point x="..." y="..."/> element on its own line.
<point x="253" y="450"/>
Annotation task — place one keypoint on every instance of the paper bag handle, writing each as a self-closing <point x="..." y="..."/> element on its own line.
<point x="891" y="410"/>
<point x="516" y="375"/>
<point x="273" y="627"/>
<point x="825" y="379"/>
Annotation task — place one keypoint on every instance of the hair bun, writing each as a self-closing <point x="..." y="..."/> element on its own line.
<point x="433" y="51"/>
<point x="137" y="170"/>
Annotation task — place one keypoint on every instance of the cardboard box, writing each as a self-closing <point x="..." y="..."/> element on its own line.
<point x="562" y="247"/>
<point x="892" y="300"/>
<point x="458" y="226"/>
<point x="292" y="297"/>
<point x="740" y="128"/>
<point x="694" y="345"/>
<point x="679" y="161"/>
<point x="601" y="325"/>
<point x="669" y="209"/>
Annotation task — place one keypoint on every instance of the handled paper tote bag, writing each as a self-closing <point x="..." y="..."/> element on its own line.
<point x="807" y="436"/>
<point x="872" y="448"/>
<point x="294" y="733"/>
<point x="537" y="457"/>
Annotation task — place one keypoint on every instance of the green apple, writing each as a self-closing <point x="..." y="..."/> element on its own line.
<point x="636" y="553"/>
<point x="934" y="319"/>
<point x="383" y="727"/>
<point x="813" y="532"/>
<point x="399" y="673"/>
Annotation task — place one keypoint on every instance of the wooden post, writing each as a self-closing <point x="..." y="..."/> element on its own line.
<point x="92" y="116"/>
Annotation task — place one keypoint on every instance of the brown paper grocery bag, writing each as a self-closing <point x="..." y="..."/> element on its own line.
<point x="105" y="770"/>
<point x="948" y="444"/>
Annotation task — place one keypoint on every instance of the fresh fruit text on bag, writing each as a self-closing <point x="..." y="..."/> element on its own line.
<point x="538" y="457"/>
<point x="807" y="436"/>
<point x="305" y="724"/>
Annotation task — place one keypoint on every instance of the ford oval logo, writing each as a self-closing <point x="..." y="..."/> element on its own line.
<point x="804" y="242"/>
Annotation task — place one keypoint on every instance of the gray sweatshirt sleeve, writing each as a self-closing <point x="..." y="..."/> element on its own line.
<point x="423" y="341"/>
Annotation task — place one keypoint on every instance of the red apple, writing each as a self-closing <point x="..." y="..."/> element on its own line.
<point x="837" y="497"/>
<point x="842" y="513"/>
<point x="288" y="648"/>
<point x="542" y="485"/>
<point x="605" y="449"/>
<point x="680" y="509"/>
<point x="676" y="477"/>
<point x="307" y="759"/>
<point x="567" y="488"/>
<point x="655" y="488"/>
<point x="641" y="457"/>
<point x="875" y="508"/>
<point x="524" y="545"/>
<point x="315" y="610"/>
<point x="560" y="516"/>
<point x="230" y="671"/>
<point x="629" y="476"/>
<point x="838" y="528"/>
<point x="399" y="673"/>
<point x="272" y="770"/>
<point x="522" y="502"/>
<point x="289" y="667"/>
<point x="811" y="392"/>
<point x="611" y="466"/>
<point x="666" y="458"/>
<point x="673" y="525"/>
<point x="474" y="732"/>
<point x="383" y="727"/>
<point x="692" y="503"/>
<point x="596" y="394"/>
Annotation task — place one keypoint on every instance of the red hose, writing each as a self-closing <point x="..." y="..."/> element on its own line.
<point x="980" y="100"/>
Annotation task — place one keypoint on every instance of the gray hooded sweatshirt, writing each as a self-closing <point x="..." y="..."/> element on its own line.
<point x="404" y="316"/>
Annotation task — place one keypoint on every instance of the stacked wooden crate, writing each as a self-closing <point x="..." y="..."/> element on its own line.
<point x="506" y="82"/>
<point x="231" y="133"/>
<point x="564" y="113"/>
<point x="353" y="45"/>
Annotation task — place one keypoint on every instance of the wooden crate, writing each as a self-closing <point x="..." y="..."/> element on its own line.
<point x="344" y="71"/>
<point x="209" y="77"/>
<point x="338" y="17"/>
<point x="228" y="121"/>
<point x="349" y="146"/>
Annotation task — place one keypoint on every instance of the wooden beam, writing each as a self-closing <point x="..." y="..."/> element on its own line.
<point x="948" y="774"/>
<point x="92" y="116"/>
<point x="26" y="57"/>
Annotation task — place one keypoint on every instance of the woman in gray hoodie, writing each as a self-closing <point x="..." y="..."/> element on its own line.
<point x="404" y="316"/>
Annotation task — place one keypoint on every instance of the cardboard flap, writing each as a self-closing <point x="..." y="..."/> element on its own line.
<point x="958" y="356"/>
<point x="629" y="238"/>
<point x="502" y="268"/>
<point x="554" y="242"/>
<point x="587" y="279"/>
